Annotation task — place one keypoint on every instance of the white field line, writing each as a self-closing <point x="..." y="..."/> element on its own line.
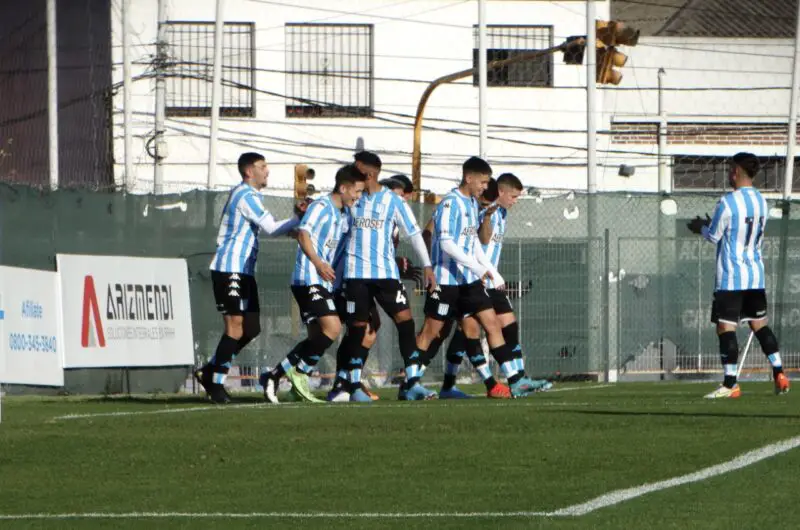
<point x="603" y="501"/>
<point x="181" y="410"/>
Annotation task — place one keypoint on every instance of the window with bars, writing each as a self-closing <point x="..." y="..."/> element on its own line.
<point x="698" y="172"/>
<point x="505" y="42"/>
<point x="329" y="70"/>
<point x="190" y="66"/>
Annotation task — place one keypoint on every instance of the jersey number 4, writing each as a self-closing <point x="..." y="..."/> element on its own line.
<point x="401" y="298"/>
<point x="748" y="238"/>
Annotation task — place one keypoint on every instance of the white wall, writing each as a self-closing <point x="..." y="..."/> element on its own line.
<point x="423" y="40"/>
<point x="404" y="48"/>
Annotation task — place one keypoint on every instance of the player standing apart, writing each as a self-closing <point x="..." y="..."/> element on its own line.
<point x="737" y="229"/>
<point x="233" y="269"/>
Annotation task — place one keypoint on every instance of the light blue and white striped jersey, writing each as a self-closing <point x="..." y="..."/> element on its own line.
<point x="737" y="228"/>
<point x="326" y="224"/>
<point x="456" y="218"/>
<point x="370" y="249"/>
<point x="237" y="240"/>
<point x="495" y="245"/>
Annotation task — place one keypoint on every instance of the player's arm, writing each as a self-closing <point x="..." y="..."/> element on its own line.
<point x="315" y="215"/>
<point x="485" y="231"/>
<point x="719" y="223"/>
<point x="253" y="211"/>
<point x="446" y="227"/>
<point x="408" y="224"/>
<point x="427" y="234"/>
<point x="483" y="259"/>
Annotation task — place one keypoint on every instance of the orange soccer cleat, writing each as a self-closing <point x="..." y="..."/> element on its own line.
<point x="499" y="391"/>
<point x="781" y="383"/>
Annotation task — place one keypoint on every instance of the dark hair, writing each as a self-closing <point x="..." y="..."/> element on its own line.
<point x="490" y="194"/>
<point x="476" y="165"/>
<point x="248" y="159"/>
<point x="510" y="180"/>
<point x="748" y="162"/>
<point x="404" y="181"/>
<point x="348" y="174"/>
<point x="368" y="158"/>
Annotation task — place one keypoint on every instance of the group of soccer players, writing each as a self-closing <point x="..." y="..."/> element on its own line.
<point x="346" y="267"/>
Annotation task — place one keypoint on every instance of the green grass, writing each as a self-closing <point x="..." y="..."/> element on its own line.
<point x="539" y="454"/>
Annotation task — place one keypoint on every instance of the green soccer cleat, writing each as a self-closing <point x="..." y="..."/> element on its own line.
<point x="300" y="386"/>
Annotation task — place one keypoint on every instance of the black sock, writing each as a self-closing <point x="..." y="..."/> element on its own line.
<point x="729" y="355"/>
<point x="455" y="354"/>
<point x="340" y="383"/>
<point x="516" y="377"/>
<point x="221" y="362"/>
<point x="290" y="361"/>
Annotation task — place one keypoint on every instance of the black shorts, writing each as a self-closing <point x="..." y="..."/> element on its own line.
<point x="361" y="296"/>
<point x="235" y="293"/>
<point x="314" y="301"/>
<point x="733" y="307"/>
<point x="449" y="302"/>
<point x="500" y="301"/>
<point x="341" y="308"/>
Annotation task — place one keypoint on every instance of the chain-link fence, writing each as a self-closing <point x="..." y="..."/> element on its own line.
<point x="612" y="284"/>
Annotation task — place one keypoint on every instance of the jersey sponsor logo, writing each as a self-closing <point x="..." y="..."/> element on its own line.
<point x="332" y="243"/>
<point x="469" y="231"/>
<point x="497" y="237"/>
<point x="364" y="222"/>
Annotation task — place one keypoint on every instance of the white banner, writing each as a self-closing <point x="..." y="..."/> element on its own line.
<point x="125" y="311"/>
<point x="32" y="349"/>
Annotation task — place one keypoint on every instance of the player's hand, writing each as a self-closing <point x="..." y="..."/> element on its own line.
<point x="408" y="271"/>
<point x="325" y="271"/>
<point x="487" y="276"/>
<point x="300" y="207"/>
<point x="696" y="225"/>
<point x="430" y="279"/>
<point x="490" y="209"/>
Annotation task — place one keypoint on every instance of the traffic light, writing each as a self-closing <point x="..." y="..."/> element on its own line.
<point x="611" y="34"/>
<point x="302" y="174"/>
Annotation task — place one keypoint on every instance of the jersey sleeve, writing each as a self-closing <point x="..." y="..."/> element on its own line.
<point x="316" y="214"/>
<point x="251" y="208"/>
<point x="404" y="217"/>
<point x="719" y="222"/>
<point x="445" y="222"/>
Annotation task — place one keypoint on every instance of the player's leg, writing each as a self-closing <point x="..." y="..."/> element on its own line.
<point x="472" y="345"/>
<point x="359" y="296"/>
<point x="456" y="351"/>
<point x="369" y="340"/>
<point x="436" y="344"/>
<point x="340" y="390"/>
<point x="510" y="329"/>
<point x="725" y="313"/>
<point x="754" y="310"/>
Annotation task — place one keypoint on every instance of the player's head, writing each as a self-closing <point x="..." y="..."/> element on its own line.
<point x="369" y="164"/>
<point x="489" y="195"/>
<point x="509" y="188"/>
<point x="253" y="169"/>
<point x="743" y="170"/>
<point x="399" y="184"/>
<point x="349" y="184"/>
<point x="475" y="174"/>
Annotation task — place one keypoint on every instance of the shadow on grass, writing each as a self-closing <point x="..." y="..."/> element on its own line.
<point x="163" y="399"/>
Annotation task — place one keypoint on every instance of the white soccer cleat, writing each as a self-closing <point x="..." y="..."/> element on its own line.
<point x="724" y="392"/>
<point x="270" y="393"/>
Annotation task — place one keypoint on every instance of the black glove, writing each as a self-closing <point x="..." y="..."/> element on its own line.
<point x="513" y="290"/>
<point x="300" y="207"/>
<point x="696" y="225"/>
<point x="408" y="271"/>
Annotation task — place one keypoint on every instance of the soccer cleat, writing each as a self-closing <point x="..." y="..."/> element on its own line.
<point x="215" y="392"/>
<point x="542" y="385"/>
<point x="453" y="393"/>
<point x="419" y="393"/>
<point x="300" y="386"/>
<point x="523" y="387"/>
<point x="401" y="393"/>
<point x="499" y="391"/>
<point x="338" y="396"/>
<point x="270" y="389"/>
<point x="360" y="396"/>
<point x="372" y="395"/>
<point x="724" y="392"/>
<point x="781" y="384"/>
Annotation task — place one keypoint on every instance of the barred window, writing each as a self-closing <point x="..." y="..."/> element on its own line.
<point x="505" y="42"/>
<point x="329" y="70"/>
<point x="190" y="68"/>
<point x="698" y="172"/>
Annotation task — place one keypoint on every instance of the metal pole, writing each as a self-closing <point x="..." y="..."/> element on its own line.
<point x="591" y="98"/>
<point x="790" y="146"/>
<point x="161" y="96"/>
<point x="482" y="78"/>
<point x="52" y="93"/>
<point x="216" y="94"/>
<point x="664" y="183"/>
<point x="127" y="82"/>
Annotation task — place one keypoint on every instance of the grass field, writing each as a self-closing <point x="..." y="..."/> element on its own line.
<point x="452" y="465"/>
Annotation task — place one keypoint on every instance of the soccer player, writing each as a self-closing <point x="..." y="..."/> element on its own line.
<point x="233" y="269"/>
<point x="500" y="196"/>
<point x="461" y="269"/>
<point x="737" y="228"/>
<point x="370" y="270"/>
<point x="321" y="232"/>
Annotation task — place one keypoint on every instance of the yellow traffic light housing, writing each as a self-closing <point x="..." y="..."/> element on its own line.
<point x="611" y="34"/>
<point x="302" y="174"/>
